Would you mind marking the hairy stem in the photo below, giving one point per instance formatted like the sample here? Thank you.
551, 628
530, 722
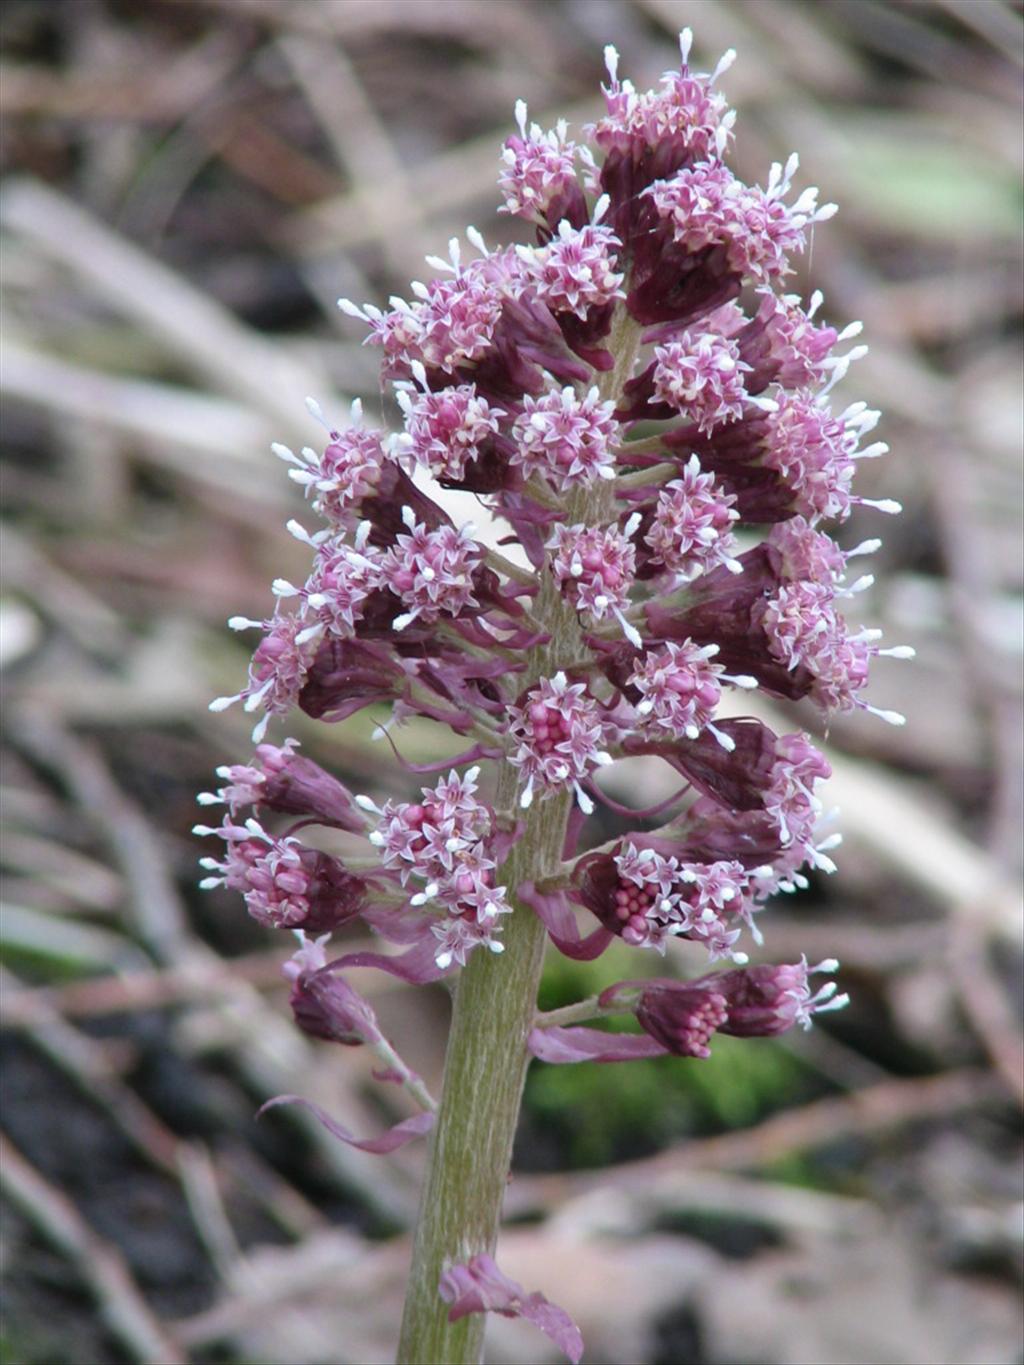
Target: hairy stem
494, 1006
580, 1013
485, 1068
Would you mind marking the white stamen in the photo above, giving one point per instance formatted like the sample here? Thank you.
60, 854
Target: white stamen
630, 631
839, 1003
724, 62
890, 717
866, 547
726, 741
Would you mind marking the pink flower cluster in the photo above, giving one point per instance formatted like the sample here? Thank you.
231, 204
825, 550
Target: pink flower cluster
509, 375
645, 420
443, 842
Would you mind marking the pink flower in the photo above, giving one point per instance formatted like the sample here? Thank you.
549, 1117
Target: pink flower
575, 271
594, 568
348, 471
447, 430
701, 376
707, 206
539, 170
565, 438
431, 571
451, 324
427, 838
560, 735
746, 1002
278, 669
685, 118
443, 843
286, 885
681, 1017
691, 529
681, 689
285, 781
342, 579
647, 898
782, 344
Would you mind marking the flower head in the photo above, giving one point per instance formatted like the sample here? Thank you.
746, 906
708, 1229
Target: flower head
565, 438
747, 1002
447, 430
692, 526
560, 735
594, 567
706, 206
348, 470
681, 687
575, 271
323, 1003
431, 571
278, 669
701, 375
685, 118
539, 169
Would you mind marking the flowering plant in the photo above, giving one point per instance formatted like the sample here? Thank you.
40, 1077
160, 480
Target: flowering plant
644, 418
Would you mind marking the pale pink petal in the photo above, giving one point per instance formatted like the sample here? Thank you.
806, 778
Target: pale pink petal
394, 1138
553, 908
480, 1287
417, 966
561, 1045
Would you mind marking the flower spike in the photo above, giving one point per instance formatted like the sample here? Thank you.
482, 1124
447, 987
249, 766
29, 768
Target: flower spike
642, 401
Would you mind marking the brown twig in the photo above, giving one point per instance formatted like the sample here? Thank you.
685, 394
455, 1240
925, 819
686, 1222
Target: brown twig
267, 1048
195, 327
101, 1266
105, 995
984, 1001
866, 1113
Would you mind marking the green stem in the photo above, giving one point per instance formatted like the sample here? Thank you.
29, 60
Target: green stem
580, 1013
494, 1006
655, 473
485, 1068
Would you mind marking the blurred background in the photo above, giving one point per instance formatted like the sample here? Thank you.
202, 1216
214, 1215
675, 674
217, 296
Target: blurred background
189, 186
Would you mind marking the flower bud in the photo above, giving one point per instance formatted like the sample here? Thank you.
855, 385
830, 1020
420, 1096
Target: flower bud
747, 1002
325, 1005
